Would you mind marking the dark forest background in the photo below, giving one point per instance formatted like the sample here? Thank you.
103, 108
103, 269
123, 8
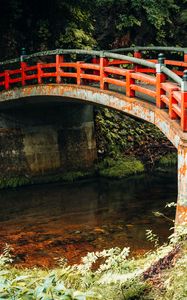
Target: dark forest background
100, 24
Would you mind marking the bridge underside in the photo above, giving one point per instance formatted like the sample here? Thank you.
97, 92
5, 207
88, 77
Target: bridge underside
132, 106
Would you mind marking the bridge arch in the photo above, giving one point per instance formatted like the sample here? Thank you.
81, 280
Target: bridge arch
132, 106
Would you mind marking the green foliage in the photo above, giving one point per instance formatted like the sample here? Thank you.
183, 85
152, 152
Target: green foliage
45, 25
108, 275
167, 163
79, 30
121, 167
175, 281
118, 134
135, 290
14, 181
114, 278
152, 237
73, 175
82, 24
75, 38
147, 22
168, 160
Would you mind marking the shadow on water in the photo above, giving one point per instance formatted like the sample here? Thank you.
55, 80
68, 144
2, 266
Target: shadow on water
49, 221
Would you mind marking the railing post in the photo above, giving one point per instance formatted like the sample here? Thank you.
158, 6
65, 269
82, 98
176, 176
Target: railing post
184, 102
185, 56
160, 77
172, 101
137, 54
95, 61
39, 72
7, 80
23, 75
129, 81
103, 75
23, 66
79, 72
59, 60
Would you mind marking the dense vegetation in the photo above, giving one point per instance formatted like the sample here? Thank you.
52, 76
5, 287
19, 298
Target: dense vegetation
102, 24
118, 135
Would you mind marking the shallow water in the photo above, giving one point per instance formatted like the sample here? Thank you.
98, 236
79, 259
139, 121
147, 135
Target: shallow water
45, 222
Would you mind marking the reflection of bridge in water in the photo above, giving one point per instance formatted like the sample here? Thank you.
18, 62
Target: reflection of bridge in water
154, 90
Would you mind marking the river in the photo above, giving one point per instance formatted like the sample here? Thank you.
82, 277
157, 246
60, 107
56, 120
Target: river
45, 222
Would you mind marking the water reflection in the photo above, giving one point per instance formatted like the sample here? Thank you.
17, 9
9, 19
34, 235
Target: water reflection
47, 221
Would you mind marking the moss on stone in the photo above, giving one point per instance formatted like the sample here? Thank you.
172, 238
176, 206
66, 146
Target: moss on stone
121, 167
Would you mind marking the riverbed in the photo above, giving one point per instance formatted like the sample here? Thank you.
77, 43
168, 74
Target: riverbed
45, 222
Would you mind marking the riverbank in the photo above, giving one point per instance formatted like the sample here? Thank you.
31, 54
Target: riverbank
108, 274
107, 167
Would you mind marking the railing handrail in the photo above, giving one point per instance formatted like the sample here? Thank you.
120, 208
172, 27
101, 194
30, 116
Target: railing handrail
171, 74
53, 52
152, 48
93, 52
135, 60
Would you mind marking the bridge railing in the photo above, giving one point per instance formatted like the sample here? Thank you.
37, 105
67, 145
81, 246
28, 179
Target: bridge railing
107, 70
174, 52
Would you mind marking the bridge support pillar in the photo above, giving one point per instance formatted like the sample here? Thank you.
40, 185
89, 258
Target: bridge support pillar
181, 212
44, 140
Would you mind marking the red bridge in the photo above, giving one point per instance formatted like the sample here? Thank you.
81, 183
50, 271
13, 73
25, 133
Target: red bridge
153, 89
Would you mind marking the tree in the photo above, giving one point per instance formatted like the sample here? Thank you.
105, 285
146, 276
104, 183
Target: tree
44, 25
102, 24
139, 22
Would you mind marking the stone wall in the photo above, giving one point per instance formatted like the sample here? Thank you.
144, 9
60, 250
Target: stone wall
46, 137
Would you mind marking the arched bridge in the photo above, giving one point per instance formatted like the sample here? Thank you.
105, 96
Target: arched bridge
153, 89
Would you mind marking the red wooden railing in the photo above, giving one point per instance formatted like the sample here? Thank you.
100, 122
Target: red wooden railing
107, 70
